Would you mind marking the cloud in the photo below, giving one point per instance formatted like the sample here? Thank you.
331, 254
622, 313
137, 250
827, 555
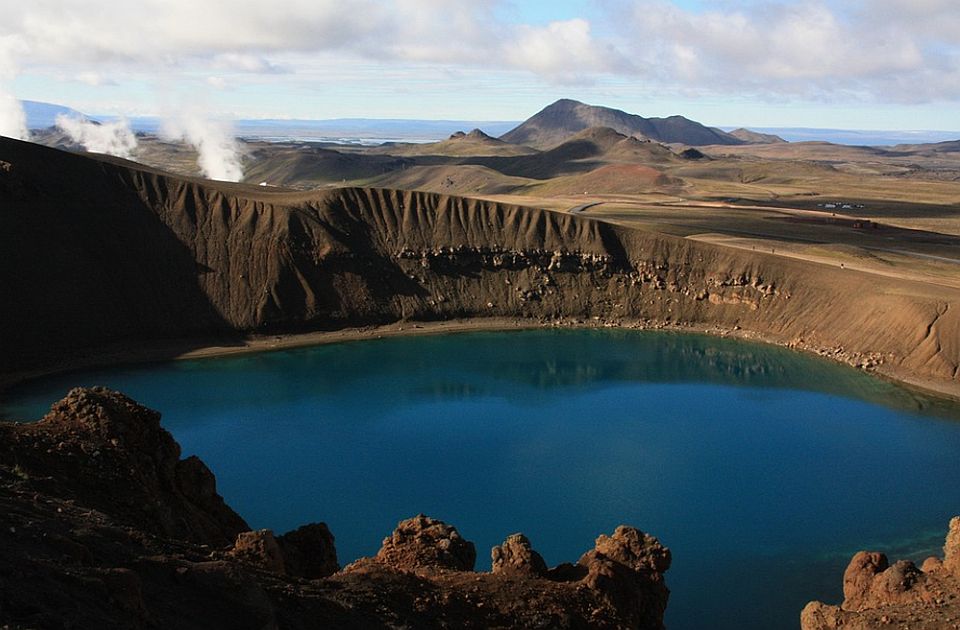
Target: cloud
114, 138
94, 79
239, 62
564, 51
895, 51
247, 36
885, 50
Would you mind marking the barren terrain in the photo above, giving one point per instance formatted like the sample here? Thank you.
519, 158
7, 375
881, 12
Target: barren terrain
847, 252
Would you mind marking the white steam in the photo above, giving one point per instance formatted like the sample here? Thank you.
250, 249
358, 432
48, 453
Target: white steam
13, 121
219, 154
113, 138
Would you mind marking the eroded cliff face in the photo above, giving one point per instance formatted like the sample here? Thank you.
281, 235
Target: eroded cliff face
102, 525
102, 252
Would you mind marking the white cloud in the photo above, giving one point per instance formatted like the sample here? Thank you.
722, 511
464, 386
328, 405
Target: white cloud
564, 51
244, 35
896, 51
239, 62
887, 50
94, 79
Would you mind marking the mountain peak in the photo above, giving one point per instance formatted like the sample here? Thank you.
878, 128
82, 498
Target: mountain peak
565, 118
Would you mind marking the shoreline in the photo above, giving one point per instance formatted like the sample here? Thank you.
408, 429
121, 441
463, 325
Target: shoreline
187, 349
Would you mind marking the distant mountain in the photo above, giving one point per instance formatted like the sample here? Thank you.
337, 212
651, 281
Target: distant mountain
755, 137
860, 137
560, 121
42, 115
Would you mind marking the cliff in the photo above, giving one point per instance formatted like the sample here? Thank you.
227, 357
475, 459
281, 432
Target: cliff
101, 253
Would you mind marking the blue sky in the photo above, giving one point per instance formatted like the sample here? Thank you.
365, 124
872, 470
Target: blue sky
865, 64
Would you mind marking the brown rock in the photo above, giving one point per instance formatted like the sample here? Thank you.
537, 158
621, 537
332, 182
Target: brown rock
951, 549
932, 565
631, 547
309, 551
425, 543
859, 576
903, 582
869, 582
260, 549
877, 594
818, 616
516, 557
627, 570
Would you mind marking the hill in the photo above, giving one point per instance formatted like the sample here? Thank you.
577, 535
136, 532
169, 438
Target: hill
473, 144
558, 122
620, 179
457, 179
307, 166
755, 137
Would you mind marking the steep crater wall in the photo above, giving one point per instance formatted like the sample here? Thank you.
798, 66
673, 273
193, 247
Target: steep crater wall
101, 252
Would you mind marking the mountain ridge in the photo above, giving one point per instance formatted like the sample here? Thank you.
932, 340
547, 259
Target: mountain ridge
564, 118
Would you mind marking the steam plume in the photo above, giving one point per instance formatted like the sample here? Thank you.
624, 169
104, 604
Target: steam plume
113, 138
219, 155
13, 122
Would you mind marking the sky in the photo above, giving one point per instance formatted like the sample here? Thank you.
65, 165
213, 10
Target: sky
853, 64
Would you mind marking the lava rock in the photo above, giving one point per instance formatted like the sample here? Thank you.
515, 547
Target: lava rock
516, 557
425, 543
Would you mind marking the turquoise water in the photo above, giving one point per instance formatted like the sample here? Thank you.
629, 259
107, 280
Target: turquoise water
762, 469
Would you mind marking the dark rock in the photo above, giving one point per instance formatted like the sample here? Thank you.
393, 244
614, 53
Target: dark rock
103, 526
260, 549
309, 551
117, 458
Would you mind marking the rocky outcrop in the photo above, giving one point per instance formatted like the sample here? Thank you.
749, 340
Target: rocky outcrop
109, 453
309, 552
424, 543
877, 594
628, 569
103, 526
260, 549
516, 557
951, 549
